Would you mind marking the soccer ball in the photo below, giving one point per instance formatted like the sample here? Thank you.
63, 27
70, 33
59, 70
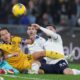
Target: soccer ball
18, 9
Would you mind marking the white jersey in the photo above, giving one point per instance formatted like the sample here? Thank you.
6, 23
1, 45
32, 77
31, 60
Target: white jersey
54, 43
37, 45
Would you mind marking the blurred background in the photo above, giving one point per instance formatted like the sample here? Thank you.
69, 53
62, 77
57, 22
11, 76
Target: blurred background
65, 14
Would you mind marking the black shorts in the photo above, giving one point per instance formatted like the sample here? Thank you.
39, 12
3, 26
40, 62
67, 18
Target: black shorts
57, 68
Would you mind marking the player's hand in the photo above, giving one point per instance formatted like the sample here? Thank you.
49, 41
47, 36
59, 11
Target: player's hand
36, 26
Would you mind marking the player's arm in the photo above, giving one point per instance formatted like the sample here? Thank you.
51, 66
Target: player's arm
22, 41
46, 31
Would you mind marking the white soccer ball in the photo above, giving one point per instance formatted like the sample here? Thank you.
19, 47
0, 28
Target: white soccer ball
1, 78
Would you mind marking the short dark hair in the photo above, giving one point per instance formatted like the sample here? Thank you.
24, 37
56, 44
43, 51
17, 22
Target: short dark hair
4, 28
52, 26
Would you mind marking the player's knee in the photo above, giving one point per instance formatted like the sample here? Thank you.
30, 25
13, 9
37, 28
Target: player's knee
43, 53
38, 55
41, 71
67, 71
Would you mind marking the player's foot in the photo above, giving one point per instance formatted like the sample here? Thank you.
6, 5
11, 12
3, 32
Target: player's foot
70, 57
3, 71
10, 71
32, 72
41, 71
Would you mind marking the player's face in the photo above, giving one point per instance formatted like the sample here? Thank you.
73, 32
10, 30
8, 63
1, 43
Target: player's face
31, 31
5, 35
51, 28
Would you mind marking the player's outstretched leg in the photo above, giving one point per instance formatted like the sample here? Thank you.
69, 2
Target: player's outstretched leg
50, 54
69, 71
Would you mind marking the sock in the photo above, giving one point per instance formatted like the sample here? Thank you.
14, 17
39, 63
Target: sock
70, 59
35, 68
76, 71
54, 55
66, 57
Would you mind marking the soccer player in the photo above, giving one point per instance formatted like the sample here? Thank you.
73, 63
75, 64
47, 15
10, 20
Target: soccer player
38, 41
11, 45
37, 45
55, 44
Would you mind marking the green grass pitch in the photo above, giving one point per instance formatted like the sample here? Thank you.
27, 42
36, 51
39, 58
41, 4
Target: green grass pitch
43, 76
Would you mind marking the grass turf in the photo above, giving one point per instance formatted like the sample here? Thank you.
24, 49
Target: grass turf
44, 76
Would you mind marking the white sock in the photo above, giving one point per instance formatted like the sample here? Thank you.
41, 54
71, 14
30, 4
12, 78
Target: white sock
66, 57
76, 71
35, 68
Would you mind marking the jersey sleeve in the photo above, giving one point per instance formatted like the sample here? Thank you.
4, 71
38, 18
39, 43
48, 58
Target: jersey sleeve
17, 39
49, 33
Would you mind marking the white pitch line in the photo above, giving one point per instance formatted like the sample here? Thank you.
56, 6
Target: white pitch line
13, 76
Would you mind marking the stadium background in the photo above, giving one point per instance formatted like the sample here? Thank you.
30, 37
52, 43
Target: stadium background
64, 14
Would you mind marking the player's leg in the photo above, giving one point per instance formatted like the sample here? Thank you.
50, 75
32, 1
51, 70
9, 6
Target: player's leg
54, 55
57, 68
34, 64
50, 54
34, 67
48, 69
9, 68
63, 68
69, 71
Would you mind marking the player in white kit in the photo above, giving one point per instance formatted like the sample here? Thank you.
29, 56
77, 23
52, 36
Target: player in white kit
55, 44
